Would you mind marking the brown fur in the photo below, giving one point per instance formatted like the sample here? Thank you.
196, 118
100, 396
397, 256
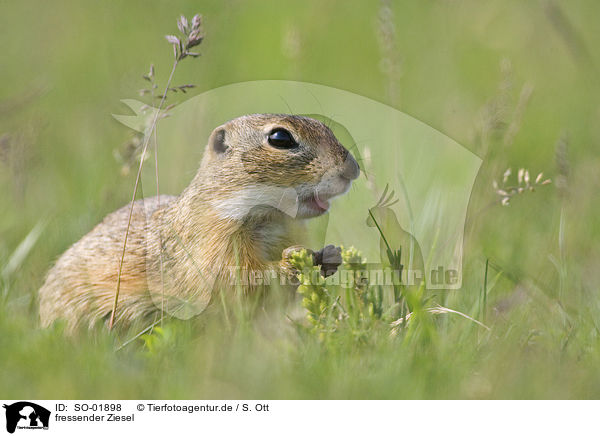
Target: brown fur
194, 242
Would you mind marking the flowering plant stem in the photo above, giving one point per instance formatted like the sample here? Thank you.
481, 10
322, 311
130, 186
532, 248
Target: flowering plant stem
147, 137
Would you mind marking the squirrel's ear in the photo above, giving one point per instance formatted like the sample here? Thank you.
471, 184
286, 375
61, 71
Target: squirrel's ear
217, 141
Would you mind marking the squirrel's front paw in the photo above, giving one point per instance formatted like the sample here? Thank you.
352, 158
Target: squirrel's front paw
329, 257
286, 265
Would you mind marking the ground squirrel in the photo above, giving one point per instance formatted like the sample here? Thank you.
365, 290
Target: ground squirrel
259, 174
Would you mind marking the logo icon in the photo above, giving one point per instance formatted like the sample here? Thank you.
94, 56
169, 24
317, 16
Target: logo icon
26, 415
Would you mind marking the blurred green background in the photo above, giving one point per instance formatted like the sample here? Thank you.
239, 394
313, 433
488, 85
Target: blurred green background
515, 82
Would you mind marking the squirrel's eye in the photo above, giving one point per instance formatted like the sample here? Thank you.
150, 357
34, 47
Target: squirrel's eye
281, 138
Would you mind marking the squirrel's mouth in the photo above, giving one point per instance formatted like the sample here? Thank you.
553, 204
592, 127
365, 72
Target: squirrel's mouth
319, 203
313, 205
315, 200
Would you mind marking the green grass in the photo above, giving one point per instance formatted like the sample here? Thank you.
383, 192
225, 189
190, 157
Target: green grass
461, 68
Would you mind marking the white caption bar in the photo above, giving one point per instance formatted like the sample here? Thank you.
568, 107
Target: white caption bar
157, 417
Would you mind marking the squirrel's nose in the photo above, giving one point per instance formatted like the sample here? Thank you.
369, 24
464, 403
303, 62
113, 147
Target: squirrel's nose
350, 170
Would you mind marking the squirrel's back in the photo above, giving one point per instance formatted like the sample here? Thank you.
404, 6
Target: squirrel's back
81, 286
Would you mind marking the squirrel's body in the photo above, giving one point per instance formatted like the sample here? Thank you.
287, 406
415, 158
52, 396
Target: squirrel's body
259, 173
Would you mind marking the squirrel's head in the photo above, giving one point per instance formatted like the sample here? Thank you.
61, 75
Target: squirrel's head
263, 163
